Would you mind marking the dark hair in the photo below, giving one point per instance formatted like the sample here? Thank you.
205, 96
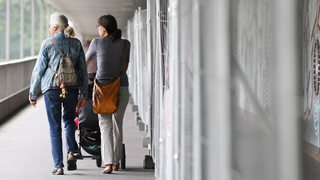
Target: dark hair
110, 24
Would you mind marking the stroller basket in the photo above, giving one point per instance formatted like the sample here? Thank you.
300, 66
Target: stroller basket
90, 141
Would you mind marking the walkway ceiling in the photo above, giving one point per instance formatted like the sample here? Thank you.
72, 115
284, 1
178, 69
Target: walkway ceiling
84, 13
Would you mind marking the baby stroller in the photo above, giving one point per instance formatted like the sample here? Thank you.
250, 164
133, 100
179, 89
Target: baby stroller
89, 131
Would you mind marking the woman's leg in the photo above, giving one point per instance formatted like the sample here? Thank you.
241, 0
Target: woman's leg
105, 124
118, 122
69, 114
53, 107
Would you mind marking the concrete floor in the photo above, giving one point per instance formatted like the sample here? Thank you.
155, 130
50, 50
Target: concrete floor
25, 150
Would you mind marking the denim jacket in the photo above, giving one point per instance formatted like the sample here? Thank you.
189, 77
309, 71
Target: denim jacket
48, 59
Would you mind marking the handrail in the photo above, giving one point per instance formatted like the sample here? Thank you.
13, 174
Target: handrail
14, 85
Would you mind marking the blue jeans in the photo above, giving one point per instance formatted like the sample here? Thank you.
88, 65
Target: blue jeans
54, 104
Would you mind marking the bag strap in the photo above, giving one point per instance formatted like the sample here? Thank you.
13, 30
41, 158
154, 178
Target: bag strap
57, 47
123, 56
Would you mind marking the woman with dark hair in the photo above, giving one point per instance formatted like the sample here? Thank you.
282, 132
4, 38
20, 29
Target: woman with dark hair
109, 50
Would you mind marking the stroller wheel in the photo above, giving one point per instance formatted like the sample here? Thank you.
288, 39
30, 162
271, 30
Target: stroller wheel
98, 161
123, 157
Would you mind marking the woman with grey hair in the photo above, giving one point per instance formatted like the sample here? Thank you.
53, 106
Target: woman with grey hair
42, 79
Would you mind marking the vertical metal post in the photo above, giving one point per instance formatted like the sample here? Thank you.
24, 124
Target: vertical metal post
7, 30
197, 145
288, 74
174, 160
215, 98
32, 27
149, 58
158, 98
21, 28
41, 21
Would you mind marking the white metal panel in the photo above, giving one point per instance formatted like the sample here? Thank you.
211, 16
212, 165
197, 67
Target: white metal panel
253, 130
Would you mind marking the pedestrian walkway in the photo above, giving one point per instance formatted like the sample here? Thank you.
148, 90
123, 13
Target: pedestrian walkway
25, 150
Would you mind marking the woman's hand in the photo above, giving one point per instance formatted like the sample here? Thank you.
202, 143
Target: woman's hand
33, 102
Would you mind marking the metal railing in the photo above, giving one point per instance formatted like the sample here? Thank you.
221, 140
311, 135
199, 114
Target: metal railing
15, 81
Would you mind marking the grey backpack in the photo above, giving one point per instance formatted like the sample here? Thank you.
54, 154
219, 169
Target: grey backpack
66, 72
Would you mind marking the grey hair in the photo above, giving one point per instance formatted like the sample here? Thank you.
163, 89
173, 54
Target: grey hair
60, 20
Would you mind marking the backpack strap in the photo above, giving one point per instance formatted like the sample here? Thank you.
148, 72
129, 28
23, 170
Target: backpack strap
55, 44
